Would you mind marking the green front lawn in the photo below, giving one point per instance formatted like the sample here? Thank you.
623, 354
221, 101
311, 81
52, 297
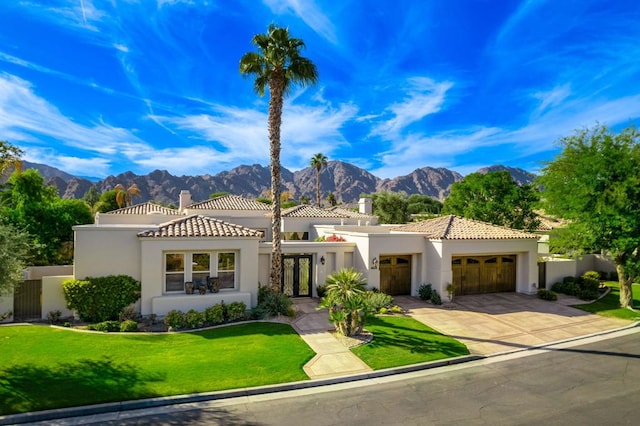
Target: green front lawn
401, 341
43, 368
609, 306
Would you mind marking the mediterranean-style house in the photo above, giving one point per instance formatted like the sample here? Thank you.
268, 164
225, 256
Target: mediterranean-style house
228, 238
227, 241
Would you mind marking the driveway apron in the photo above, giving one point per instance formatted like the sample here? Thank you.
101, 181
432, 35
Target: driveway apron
500, 322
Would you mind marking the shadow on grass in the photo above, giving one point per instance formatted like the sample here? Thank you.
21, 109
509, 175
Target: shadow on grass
413, 340
25, 388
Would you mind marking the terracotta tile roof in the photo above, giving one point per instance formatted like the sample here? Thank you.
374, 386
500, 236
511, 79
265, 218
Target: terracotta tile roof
305, 210
200, 226
349, 213
145, 208
458, 228
230, 202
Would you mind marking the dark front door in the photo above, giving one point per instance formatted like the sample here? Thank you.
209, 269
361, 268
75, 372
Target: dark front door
296, 275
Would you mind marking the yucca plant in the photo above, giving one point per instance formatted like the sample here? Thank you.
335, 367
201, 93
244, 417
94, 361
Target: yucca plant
345, 299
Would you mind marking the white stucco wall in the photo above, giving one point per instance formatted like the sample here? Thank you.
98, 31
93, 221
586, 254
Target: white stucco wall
152, 268
107, 250
53, 296
6, 304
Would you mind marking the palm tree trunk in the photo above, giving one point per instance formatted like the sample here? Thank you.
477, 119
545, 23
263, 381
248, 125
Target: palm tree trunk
276, 89
625, 287
318, 186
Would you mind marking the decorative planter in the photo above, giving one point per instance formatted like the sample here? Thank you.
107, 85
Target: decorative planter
214, 284
188, 286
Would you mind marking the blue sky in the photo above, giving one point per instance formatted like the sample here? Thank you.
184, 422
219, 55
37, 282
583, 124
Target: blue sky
98, 87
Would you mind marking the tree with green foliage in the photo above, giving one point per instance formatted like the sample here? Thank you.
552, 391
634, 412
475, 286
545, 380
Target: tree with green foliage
35, 208
92, 197
304, 199
496, 198
14, 250
318, 161
9, 157
277, 66
595, 185
107, 202
218, 194
331, 199
390, 207
423, 204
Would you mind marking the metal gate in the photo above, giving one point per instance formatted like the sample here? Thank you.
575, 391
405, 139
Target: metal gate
27, 301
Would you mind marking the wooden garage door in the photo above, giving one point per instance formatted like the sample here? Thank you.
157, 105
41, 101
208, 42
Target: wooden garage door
395, 275
484, 274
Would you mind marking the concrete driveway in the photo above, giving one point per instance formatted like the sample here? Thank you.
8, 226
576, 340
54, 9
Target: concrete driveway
499, 322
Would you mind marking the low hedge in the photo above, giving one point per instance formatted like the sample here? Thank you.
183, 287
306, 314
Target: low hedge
99, 299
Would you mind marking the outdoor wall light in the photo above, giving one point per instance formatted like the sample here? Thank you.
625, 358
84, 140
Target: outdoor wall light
374, 263
322, 260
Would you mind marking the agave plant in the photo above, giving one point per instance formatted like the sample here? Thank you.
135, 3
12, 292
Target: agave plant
345, 299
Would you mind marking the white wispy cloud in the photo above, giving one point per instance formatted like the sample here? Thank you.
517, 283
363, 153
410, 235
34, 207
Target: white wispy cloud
423, 96
240, 135
309, 12
28, 117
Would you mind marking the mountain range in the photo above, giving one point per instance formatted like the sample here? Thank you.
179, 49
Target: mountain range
346, 181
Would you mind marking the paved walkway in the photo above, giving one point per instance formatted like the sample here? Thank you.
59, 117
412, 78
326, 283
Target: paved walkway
487, 324
332, 357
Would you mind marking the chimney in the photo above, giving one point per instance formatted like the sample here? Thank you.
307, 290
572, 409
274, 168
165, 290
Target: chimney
365, 206
185, 199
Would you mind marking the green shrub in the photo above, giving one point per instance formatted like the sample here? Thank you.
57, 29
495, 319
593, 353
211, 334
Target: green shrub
545, 294
397, 309
558, 287
272, 304
214, 314
236, 311
128, 313
590, 285
263, 292
174, 320
435, 298
54, 317
321, 290
128, 326
106, 326
425, 291
613, 276
604, 275
98, 299
567, 280
376, 300
194, 319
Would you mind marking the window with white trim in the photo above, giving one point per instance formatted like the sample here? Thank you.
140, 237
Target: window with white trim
196, 267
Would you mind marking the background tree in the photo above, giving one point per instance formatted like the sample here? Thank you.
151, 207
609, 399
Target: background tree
33, 207
496, 198
107, 202
331, 199
317, 162
277, 65
124, 197
9, 157
423, 204
595, 185
14, 249
304, 199
92, 197
218, 194
390, 207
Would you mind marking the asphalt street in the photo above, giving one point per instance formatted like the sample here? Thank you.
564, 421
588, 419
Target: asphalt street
596, 383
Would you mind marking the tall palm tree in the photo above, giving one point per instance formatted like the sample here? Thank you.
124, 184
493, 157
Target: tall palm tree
317, 161
124, 197
277, 65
